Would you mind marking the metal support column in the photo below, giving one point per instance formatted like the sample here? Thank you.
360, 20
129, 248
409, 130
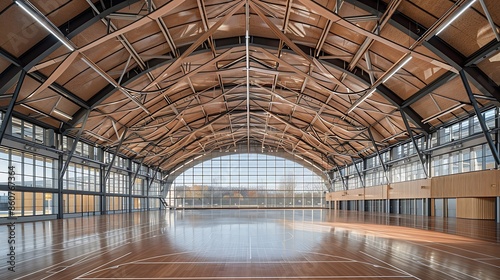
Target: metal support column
330, 180
130, 184
410, 133
124, 134
8, 114
486, 133
103, 190
379, 156
359, 173
137, 171
152, 179
73, 147
342, 178
60, 200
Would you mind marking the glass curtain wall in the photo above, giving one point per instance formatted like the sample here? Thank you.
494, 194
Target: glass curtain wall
247, 180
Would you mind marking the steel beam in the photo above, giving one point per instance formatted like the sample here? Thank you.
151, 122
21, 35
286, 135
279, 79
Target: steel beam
7, 119
480, 117
342, 178
9, 57
448, 76
378, 155
73, 147
153, 178
9, 77
359, 173
124, 135
60, 90
490, 20
483, 53
415, 145
384, 91
137, 171
60, 187
440, 48
69, 29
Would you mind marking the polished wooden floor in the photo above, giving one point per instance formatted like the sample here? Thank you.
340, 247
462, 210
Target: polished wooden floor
254, 244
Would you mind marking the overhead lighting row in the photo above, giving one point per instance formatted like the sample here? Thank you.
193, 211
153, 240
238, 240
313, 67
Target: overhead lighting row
385, 77
459, 13
405, 60
61, 113
33, 12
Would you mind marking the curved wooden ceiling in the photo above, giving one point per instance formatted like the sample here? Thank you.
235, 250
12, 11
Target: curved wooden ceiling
166, 81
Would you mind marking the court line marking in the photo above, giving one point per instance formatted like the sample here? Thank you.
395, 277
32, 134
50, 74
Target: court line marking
409, 257
236, 262
487, 259
250, 277
65, 227
86, 256
55, 251
441, 250
390, 265
96, 268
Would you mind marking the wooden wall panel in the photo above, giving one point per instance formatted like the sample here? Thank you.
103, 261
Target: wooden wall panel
376, 192
410, 189
356, 194
472, 184
476, 208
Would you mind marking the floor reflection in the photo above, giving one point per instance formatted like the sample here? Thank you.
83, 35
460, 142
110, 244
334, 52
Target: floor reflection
247, 235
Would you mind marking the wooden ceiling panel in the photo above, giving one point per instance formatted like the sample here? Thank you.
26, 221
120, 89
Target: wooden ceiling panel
197, 94
23, 31
90, 34
490, 67
471, 27
59, 12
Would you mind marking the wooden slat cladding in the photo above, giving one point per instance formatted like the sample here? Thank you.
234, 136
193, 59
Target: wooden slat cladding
476, 208
472, 184
376, 192
410, 189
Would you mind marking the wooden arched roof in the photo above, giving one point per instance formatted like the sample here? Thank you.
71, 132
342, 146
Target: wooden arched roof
165, 81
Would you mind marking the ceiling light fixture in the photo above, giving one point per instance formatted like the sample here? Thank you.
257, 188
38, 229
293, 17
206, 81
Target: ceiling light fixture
36, 15
60, 113
444, 112
360, 100
386, 76
460, 12
124, 16
396, 68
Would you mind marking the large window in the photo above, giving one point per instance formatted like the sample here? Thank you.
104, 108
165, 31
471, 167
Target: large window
465, 160
247, 180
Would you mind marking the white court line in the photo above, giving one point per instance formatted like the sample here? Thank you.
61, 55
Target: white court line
261, 262
441, 250
441, 243
96, 269
398, 269
250, 277
54, 251
410, 258
487, 259
446, 267
81, 230
55, 265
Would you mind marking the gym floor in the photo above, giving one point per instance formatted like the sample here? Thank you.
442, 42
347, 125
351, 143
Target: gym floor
254, 244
